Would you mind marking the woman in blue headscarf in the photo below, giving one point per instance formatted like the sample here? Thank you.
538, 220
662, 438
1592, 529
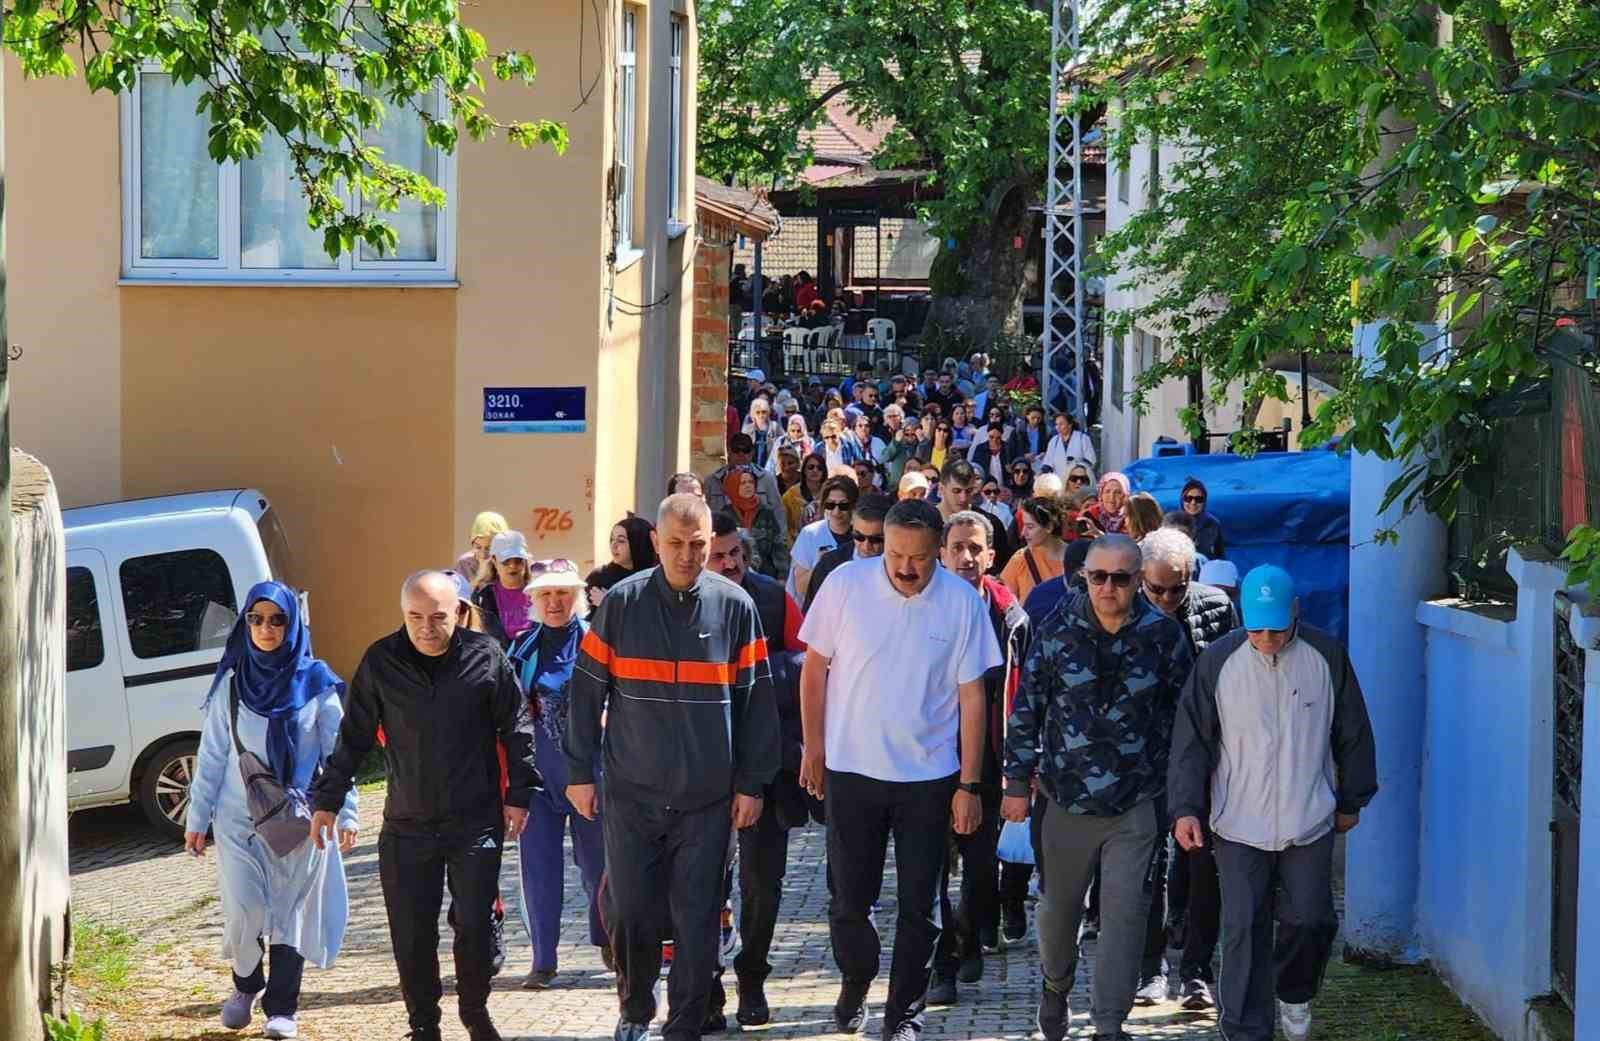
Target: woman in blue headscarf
544, 657
279, 911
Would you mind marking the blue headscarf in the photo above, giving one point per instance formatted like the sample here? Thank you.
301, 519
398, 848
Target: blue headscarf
275, 684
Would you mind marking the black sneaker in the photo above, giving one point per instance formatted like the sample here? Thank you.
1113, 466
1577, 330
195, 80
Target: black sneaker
909, 1030
850, 1011
716, 1022
942, 991
479, 1026
1055, 1014
1197, 995
753, 1009
971, 970
1014, 921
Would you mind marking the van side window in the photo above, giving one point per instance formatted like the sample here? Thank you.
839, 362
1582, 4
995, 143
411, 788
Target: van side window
86, 646
177, 602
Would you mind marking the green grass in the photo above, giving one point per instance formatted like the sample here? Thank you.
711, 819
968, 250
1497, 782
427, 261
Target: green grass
1408, 1003
102, 957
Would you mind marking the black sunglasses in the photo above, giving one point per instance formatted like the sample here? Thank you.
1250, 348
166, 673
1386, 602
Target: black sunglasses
1120, 579
1162, 592
1194, 498
876, 540
276, 621
837, 505
1077, 479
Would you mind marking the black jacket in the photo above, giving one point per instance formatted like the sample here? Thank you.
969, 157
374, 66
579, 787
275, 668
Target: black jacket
439, 733
1208, 616
684, 683
484, 600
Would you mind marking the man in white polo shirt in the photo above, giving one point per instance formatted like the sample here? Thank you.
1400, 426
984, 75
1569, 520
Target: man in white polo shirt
893, 713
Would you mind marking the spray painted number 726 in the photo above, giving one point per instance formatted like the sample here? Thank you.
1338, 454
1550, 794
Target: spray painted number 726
550, 519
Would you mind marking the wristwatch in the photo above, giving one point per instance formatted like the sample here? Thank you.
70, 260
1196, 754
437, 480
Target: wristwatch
970, 787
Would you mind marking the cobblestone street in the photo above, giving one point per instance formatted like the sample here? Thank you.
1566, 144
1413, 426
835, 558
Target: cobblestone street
125, 875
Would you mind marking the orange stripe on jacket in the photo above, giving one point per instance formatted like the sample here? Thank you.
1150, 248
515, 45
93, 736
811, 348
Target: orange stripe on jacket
641, 669
754, 651
714, 673
596, 648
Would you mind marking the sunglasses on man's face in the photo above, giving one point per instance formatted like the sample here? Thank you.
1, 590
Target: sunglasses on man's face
276, 621
860, 537
837, 506
1120, 579
1165, 592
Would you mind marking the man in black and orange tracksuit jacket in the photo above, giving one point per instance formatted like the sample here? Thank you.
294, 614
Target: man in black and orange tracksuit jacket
676, 660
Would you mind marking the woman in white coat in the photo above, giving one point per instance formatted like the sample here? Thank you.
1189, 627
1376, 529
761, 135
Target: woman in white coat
1069, 445
273, 698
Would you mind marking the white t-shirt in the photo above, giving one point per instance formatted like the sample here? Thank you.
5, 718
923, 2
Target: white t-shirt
893, 709
814, 540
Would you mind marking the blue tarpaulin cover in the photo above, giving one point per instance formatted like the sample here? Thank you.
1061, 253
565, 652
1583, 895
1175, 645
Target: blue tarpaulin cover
1291, 509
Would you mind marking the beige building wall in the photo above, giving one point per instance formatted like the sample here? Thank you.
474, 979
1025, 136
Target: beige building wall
63, 220
358, 409
336, 403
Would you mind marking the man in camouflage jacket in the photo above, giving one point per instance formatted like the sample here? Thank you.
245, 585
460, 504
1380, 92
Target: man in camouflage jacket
1092, 725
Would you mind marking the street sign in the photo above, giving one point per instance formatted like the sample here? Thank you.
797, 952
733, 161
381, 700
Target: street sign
534, 410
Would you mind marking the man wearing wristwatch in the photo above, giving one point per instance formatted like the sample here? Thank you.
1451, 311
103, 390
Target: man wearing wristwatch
894, 730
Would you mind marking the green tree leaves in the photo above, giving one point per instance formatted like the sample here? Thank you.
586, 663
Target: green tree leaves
321, 74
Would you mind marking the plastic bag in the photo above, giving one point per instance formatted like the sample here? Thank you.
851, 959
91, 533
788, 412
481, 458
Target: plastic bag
1016, 842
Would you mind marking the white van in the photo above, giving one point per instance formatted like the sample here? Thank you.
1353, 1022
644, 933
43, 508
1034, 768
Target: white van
153, 588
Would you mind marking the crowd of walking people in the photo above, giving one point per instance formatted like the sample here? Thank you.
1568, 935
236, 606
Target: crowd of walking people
1050, 697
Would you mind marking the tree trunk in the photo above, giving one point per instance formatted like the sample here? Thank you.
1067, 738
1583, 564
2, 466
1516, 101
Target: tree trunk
19, 1013
978, 287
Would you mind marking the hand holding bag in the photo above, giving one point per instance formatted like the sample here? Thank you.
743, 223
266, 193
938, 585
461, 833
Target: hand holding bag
280, 815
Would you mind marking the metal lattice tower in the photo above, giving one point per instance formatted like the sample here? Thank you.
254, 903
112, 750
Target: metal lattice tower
1064, 308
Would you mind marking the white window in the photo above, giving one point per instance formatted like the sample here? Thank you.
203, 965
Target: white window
186, 217
675, 124
627, 129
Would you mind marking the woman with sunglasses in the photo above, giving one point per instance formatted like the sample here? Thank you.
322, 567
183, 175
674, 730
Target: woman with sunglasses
1042, 550
801, 499
543, 658
271, 697
838, 501
485, 526
796, 435
1019, 480
1079, 478
1207, 529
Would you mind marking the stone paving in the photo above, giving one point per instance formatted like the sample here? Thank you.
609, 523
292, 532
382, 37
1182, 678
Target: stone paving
124, 874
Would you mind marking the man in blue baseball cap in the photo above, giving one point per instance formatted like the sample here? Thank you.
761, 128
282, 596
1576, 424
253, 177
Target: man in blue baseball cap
1272, 749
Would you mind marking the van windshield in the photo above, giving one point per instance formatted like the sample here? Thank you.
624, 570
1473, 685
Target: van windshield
276, 543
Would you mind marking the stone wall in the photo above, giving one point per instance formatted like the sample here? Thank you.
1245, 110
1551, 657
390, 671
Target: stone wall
40, 545
708, 418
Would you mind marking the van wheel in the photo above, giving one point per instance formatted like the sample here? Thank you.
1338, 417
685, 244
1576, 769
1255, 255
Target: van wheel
164, 788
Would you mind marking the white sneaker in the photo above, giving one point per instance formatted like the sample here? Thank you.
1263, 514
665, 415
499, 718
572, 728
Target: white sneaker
236, 1010
282, 1027
1296, 1020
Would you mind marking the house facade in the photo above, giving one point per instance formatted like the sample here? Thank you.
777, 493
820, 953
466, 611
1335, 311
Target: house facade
526, 349
1128, 433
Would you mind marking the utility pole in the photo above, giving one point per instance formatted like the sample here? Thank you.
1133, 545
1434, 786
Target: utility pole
19, 1012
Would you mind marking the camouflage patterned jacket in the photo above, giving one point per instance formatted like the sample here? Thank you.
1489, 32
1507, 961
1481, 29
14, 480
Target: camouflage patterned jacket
1093, 718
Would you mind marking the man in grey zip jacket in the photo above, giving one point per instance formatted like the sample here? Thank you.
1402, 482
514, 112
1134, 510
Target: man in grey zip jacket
1272, 736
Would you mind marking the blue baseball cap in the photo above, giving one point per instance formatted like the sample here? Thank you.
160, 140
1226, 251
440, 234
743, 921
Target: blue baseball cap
1267, 597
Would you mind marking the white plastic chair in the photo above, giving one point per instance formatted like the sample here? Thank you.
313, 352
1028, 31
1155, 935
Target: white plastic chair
882, 332
794, 350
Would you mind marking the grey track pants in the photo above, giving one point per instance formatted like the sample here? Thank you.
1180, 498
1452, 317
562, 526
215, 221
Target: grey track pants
1072, 845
